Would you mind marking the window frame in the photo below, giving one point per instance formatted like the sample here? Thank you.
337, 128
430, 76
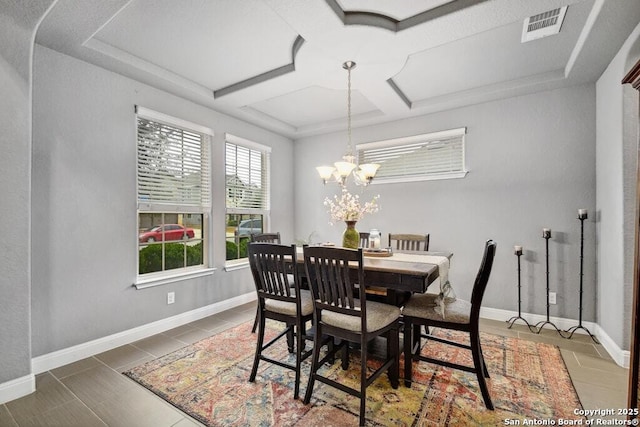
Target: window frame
165, 276
265, 210
427, 138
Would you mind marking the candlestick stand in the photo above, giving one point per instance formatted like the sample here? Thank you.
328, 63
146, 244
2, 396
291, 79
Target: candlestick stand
511, 321
570, 331
547, 235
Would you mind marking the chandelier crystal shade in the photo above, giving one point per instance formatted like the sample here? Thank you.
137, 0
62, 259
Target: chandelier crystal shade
363, 174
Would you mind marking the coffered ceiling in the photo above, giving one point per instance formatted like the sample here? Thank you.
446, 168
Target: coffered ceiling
278, 63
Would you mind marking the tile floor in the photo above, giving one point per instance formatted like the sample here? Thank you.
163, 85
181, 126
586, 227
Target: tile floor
92, 392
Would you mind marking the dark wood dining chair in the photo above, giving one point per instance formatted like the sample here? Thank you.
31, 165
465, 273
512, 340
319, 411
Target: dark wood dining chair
409, 242
459, 315
263, 238
270, 267
364, 239
341, 310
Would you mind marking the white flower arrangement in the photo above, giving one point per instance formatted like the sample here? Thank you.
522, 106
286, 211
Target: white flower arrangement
349, 208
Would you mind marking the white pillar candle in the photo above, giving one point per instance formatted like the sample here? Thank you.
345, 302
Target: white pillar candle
582, 214
517, 250
546, 232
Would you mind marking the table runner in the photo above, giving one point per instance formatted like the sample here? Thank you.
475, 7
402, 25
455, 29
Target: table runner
446, 294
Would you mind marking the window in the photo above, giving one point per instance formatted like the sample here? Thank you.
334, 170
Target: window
173, 194
438, 155
247, 193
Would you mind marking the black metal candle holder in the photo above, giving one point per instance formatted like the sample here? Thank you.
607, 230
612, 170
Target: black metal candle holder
546, 235
582, 215
518, 253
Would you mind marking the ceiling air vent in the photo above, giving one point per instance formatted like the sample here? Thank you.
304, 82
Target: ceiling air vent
543, 24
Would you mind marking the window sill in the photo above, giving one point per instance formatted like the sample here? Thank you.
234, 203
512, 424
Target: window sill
238, 265
150, 282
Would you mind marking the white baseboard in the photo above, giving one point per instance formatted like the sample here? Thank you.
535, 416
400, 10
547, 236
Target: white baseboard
19, 387
620, 356
68, 355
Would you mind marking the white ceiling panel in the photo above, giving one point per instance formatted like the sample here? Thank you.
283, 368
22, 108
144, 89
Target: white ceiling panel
213, 43
313, 105
495, 56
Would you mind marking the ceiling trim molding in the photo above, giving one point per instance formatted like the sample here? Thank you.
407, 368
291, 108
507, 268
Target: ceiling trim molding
584, 34
271, 74
145, 66
380, 20
485, 92
399, 92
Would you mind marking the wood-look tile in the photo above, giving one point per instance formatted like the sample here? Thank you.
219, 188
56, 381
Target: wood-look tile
595, 397
49, 394
179, 330
74, 368
98, 384
193, 336
137, 407
5, 417
188, 422
210, 323
125, 368
158, 345
236, 318
499, 331
71, 414
613, 380
562, 343
121, 356
600, 363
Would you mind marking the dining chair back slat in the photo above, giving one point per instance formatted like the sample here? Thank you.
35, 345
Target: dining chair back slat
265, 237
364, 239
328, 273
409, 242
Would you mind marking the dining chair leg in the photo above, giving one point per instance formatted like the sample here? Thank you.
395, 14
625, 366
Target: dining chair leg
290, 340
255, 321
477, 362
393, 350
299, 340
317, 340
363, 380
408, 351
260, 341
484, 364
345, 355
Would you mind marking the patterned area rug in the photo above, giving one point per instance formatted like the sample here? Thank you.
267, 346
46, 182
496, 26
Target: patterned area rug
209, 381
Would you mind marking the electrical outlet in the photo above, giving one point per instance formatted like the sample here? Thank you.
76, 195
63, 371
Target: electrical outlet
171, 297
552, 297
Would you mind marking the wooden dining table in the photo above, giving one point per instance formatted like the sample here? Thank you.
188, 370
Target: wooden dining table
402, 273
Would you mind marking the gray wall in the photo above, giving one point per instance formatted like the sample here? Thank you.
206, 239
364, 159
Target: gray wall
532, 165
84, 209
17, 27
617, 153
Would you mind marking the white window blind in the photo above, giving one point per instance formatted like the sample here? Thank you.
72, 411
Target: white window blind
438, 155
247, 175
173, 166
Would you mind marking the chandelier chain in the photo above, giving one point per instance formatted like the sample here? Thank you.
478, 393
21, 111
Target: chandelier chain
349, 110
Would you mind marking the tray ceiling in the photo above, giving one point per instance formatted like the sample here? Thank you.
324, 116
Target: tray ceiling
278, 63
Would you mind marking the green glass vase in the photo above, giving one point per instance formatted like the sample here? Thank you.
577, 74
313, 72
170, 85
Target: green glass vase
351, 237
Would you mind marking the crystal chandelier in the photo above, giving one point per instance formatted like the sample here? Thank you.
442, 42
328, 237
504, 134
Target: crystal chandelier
363, 174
